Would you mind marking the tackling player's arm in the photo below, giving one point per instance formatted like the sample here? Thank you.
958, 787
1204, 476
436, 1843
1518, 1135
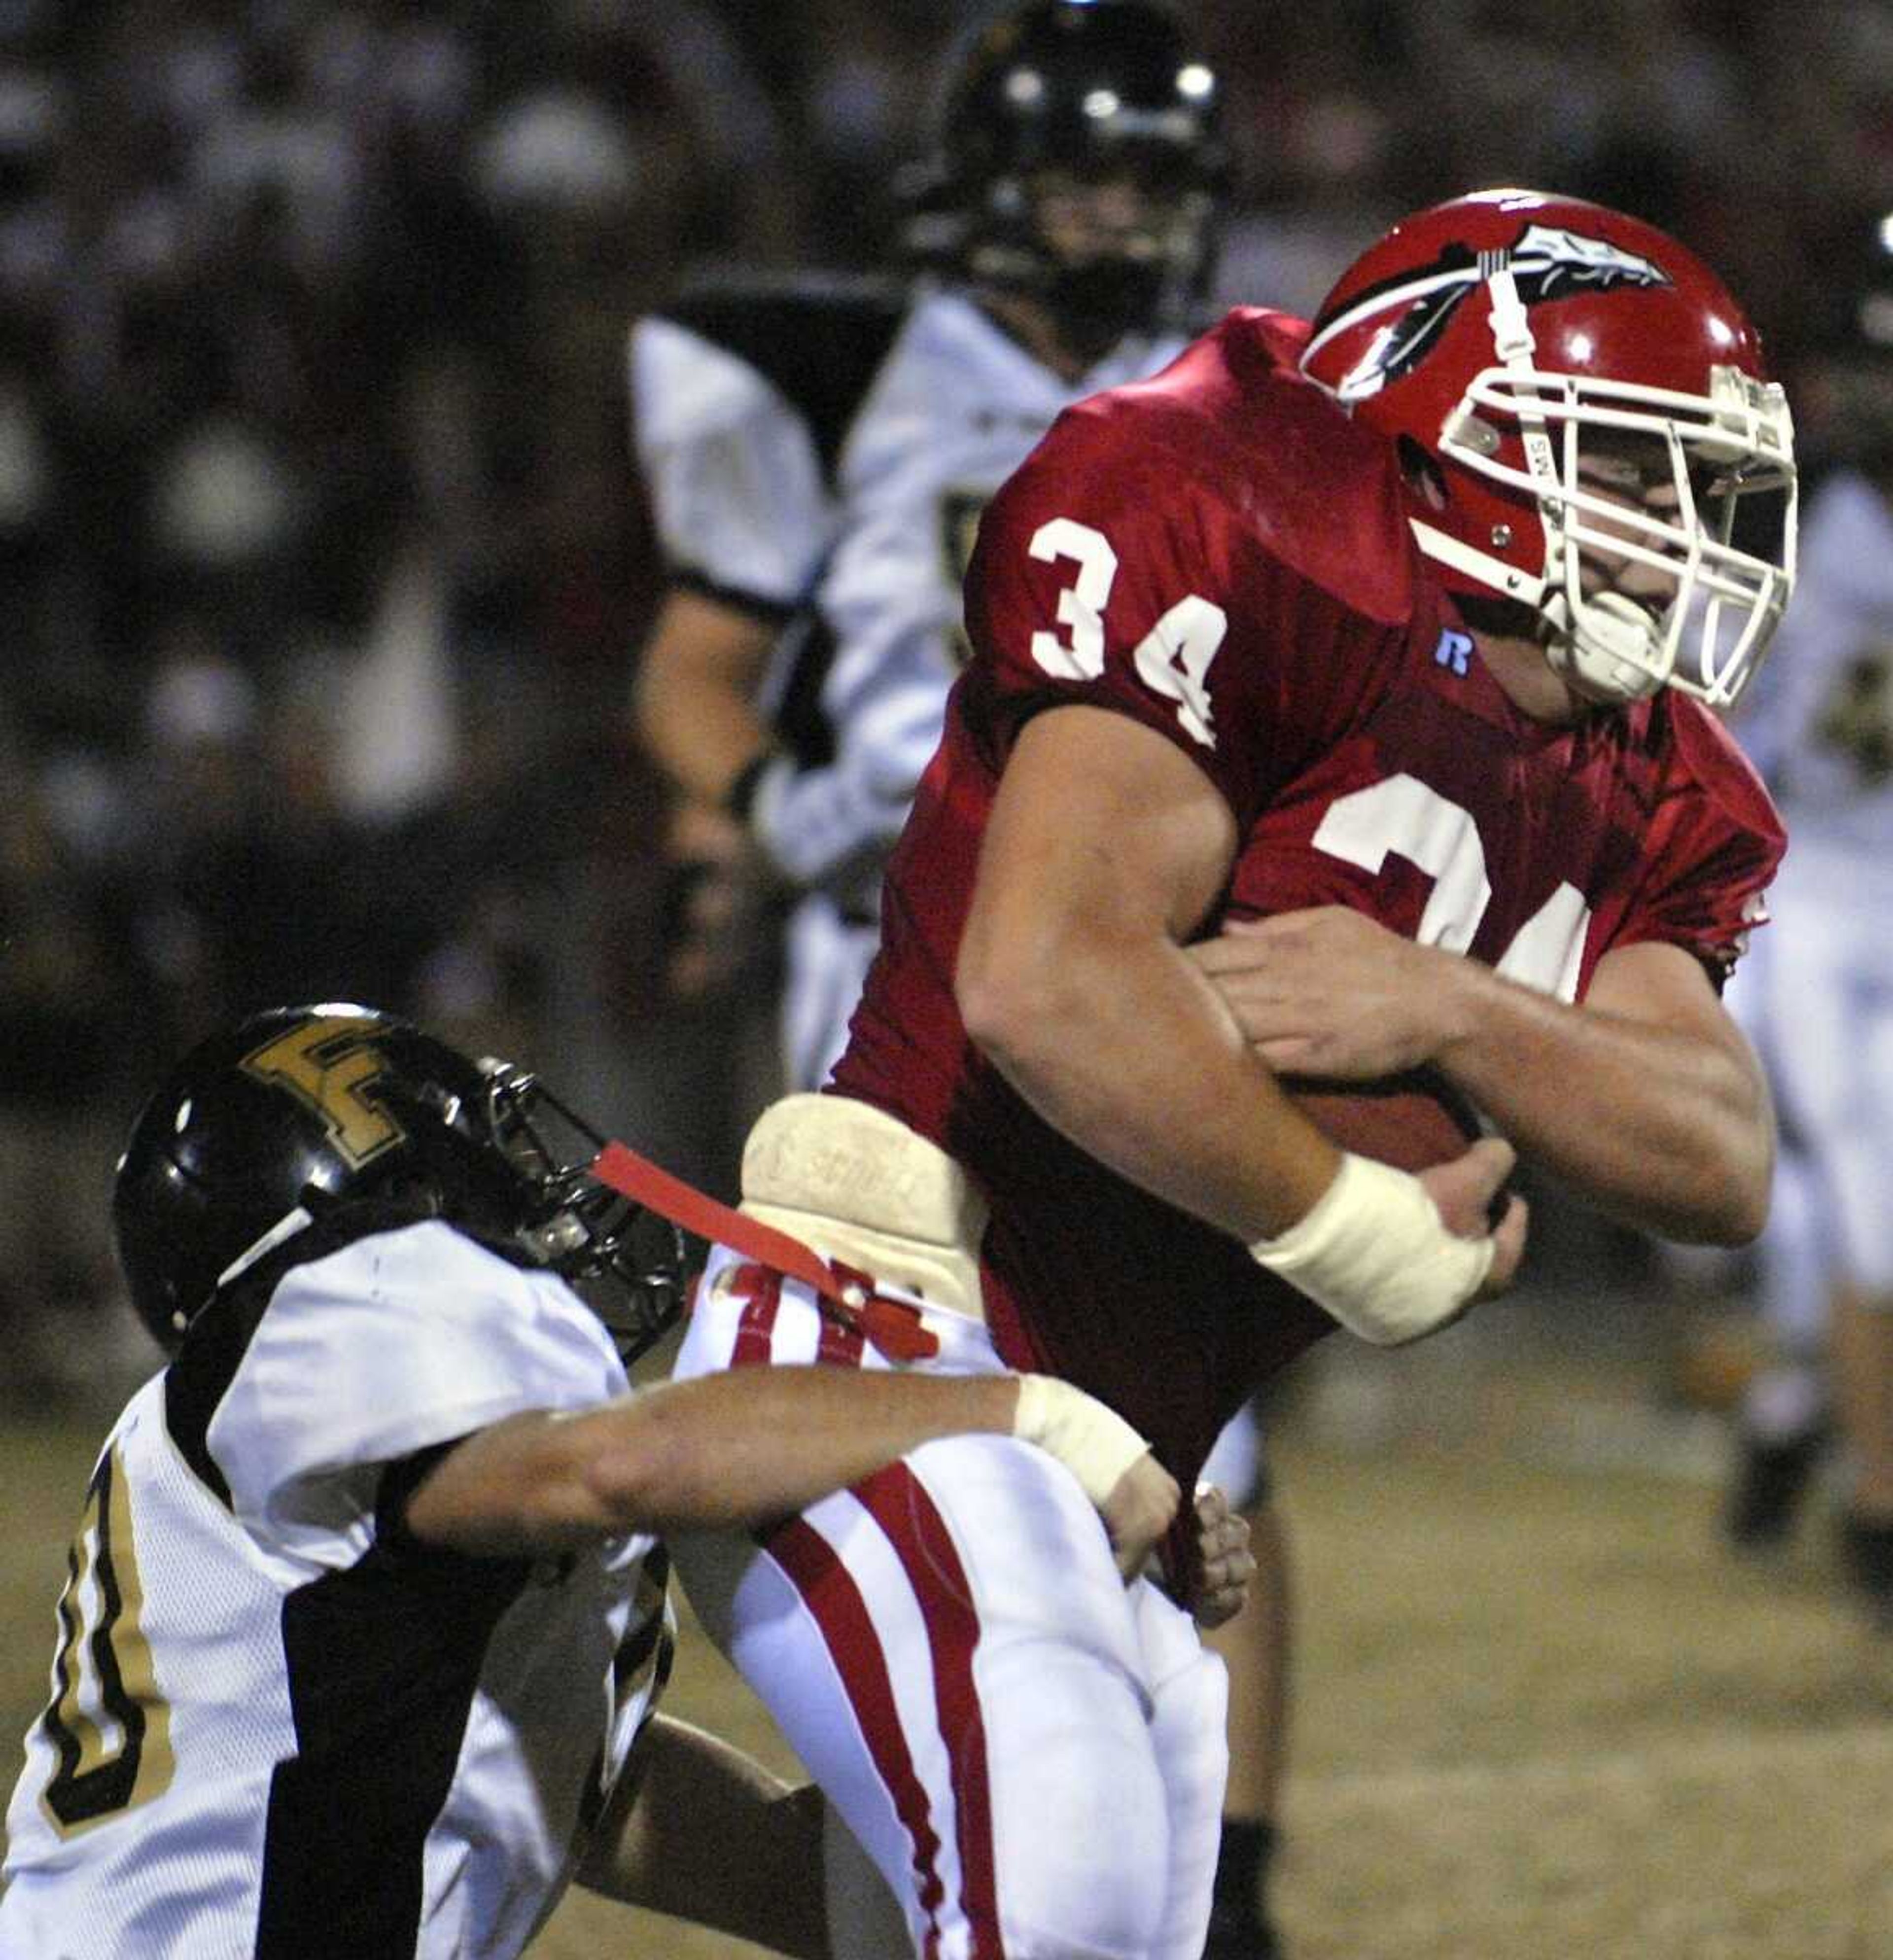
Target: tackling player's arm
665, 1841
1647, 1098
1105, 848
735, 1451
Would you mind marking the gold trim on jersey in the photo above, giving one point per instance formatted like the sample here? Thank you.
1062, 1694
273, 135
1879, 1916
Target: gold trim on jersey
101, 1611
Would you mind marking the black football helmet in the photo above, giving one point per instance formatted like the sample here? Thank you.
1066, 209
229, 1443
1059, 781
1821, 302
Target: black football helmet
321, 1113
1072, 93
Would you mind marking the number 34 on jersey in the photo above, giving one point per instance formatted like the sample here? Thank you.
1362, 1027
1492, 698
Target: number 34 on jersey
1401, 817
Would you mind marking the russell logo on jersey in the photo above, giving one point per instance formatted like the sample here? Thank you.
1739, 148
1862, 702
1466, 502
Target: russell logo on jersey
1454, 652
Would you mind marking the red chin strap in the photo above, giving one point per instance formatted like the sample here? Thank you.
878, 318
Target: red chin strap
892, 1326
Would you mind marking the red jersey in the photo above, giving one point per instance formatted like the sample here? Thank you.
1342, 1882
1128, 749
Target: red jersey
1219, 553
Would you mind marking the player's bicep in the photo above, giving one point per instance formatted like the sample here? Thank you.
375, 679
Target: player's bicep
504, 1492
1101, 831
711, 641
1667, 987
695, 697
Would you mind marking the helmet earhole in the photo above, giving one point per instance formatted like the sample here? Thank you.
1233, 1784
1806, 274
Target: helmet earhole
1423, 474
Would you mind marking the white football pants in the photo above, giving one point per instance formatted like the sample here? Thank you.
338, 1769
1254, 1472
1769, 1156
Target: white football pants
1031, 1753
1816, 995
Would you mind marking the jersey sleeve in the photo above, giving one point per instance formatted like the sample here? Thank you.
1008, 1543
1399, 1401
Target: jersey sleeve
1106, 574
398, 1342
1714, 845
831, 826
732, 470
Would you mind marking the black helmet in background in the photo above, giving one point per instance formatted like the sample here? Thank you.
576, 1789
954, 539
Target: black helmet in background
1047, 105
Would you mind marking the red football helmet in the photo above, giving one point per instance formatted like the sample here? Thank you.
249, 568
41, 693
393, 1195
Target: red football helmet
1587, 396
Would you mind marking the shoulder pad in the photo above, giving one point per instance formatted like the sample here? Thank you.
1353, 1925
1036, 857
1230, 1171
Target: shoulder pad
819, 341
1716, 761
1235, 421
214, 1344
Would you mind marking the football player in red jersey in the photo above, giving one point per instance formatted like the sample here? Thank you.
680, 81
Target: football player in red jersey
1400, 635
816, 452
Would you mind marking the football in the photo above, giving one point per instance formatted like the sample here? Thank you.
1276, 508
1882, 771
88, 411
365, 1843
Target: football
1412, 1121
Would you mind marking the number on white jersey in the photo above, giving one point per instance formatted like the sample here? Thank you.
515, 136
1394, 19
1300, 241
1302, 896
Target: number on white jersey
106, 1719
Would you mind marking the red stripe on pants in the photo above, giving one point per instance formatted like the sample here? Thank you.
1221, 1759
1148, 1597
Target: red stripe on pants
834, 1602
899, 1504
910, 1521
839, 1344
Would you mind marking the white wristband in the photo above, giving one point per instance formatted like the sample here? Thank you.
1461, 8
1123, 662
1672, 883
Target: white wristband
1376, 1254
1095, 1443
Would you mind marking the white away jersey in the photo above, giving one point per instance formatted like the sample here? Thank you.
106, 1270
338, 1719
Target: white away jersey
1820, 724
819, 452
280, 1726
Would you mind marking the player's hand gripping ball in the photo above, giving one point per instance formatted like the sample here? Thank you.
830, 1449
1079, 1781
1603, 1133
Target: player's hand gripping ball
1227, 1565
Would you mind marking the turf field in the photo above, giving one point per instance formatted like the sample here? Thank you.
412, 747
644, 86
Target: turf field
1542, 1715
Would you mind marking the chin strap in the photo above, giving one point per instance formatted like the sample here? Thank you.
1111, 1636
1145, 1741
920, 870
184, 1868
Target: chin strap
1610, 644
1513, 342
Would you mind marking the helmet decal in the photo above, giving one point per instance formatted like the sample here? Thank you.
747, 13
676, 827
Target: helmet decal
1546, 263
330, 1064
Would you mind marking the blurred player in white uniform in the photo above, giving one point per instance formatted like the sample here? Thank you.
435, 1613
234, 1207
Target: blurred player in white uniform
1820, 999
818, 454
818, 451
365, 1620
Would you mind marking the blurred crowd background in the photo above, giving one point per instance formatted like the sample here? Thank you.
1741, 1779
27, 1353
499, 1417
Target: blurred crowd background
322, 562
